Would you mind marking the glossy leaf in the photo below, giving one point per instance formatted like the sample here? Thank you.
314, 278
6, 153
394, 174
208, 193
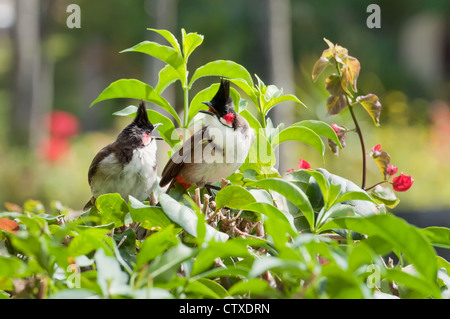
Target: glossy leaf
190, 42
233, 196
320, 128
225, 68
135, 89
112, 209
150, 217
166, 77
302, 134
155, 244
187, 219
385, 195
169, 37
164, 53
232, 248
284, 98
291, 192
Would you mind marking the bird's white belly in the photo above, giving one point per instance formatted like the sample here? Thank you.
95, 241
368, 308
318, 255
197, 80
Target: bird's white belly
214, 163
135, 178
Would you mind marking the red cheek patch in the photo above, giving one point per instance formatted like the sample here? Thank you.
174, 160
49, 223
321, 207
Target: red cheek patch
146, 138
229, 117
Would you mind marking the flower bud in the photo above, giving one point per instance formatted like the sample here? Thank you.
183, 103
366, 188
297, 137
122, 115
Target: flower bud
391, 170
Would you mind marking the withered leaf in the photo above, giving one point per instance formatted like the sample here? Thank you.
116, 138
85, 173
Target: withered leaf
336, 103
372, 105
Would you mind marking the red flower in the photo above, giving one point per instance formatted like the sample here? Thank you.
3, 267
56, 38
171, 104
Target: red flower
54, 148
402, 182
62, 124
391, 170
302, 164
290, 170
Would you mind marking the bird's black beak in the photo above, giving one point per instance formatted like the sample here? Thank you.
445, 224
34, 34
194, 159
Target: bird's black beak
211, 111
154, 128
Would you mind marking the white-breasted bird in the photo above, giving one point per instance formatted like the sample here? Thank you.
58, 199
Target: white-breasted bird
128, 165
216, 150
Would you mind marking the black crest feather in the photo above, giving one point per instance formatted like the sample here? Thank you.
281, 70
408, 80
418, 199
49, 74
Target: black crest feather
141, 119
222, 96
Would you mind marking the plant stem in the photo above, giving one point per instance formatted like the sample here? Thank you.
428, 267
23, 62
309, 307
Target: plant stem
361, 139
373, 186
186, 106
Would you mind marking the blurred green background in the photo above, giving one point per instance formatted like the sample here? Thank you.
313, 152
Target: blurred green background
46, 66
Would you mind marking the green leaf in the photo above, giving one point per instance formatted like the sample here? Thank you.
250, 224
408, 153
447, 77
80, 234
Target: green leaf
263, 264
362, 207
155, 244
437, 236
247, 88
135, 89
187, 219
261, 153
112, 209
320, 128
285, 98
166, 77
12, 267
169, 37
272, 213
150, 217
190, 42
233, 196
166, 265
110, 277
397, 232
424, 287
162, 52
225, 68
291, 192
385, 195
231, 248
254, 287
88, 239
207, 288
252, 121
302, 134
372, 105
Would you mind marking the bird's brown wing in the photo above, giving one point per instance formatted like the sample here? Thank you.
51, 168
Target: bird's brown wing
97, 159
176, 162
